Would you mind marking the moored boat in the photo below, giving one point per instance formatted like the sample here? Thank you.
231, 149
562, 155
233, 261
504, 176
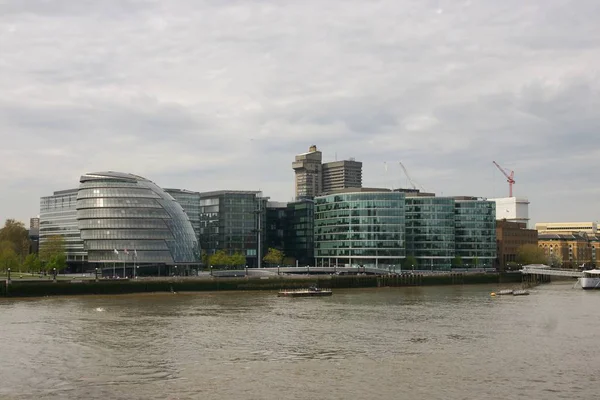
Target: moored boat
310, 292
590, 279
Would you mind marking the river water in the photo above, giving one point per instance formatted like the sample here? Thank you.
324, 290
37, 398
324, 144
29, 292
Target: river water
390, 343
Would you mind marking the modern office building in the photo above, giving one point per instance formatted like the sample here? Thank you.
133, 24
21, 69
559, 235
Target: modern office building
308, 177
276, 225
343, 174
512, 209
589, 227
430, 231
190, 202
58, 217
313, 178
360, 228
234, 221
128, 220
300, 234
510, 236
475, 232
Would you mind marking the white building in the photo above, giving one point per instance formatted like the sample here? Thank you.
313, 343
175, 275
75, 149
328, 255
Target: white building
513, 209
590, 227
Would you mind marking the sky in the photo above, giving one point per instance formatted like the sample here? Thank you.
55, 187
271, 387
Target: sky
222, 94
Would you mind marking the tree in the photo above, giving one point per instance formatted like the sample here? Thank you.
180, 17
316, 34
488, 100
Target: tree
531, 254
219, 259
15, 233
8, 256
204, 258
274, 256
554, 260
32, 263
237, 259
53, 253
410, 262
457, 262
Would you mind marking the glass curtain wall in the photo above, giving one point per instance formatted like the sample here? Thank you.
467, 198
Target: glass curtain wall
361, 229
475, 233
430, 232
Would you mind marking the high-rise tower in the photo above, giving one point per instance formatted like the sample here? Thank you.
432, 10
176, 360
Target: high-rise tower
308, 167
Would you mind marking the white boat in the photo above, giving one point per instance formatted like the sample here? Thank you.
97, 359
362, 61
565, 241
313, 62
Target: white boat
590, 279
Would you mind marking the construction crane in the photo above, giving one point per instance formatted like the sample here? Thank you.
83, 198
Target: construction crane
408, 176
510, 178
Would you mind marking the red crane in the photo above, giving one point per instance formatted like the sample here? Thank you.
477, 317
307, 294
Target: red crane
510, 177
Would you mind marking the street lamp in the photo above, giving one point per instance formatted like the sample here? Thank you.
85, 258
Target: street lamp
137, 268
9, 274
96, 274
54, 273
211, 270
176, 270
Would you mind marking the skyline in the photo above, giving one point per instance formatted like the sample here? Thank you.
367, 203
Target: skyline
222, 95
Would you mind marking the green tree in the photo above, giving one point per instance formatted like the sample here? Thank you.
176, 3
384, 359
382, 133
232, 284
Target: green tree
457, 262
531, 254
274, 256
8, 256
15, 233
219, 259
237, 259
53, 253
410, 262
204, 258
554, 260
32, 263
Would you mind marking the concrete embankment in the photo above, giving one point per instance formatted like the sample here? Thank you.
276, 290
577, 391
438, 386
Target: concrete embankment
189, 284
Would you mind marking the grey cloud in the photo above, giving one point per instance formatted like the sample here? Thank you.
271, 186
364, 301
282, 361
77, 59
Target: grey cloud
218, 94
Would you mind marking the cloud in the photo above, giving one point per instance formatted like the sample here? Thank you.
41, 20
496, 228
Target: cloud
222, 94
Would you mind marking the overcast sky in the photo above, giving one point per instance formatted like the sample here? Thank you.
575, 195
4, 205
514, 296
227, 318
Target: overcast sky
221, 94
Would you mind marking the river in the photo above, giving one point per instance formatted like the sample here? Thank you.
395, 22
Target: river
453, 342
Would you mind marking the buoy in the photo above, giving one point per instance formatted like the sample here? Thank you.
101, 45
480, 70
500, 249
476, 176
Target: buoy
492, 294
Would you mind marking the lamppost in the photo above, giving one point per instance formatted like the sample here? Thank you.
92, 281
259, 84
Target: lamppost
137, 268
176, 270
8, 275
211, 270
96, 274
54, 274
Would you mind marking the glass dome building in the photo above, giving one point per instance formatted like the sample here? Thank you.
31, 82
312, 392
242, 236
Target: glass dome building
129, 220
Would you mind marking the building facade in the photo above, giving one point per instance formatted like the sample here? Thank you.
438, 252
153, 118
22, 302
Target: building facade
343, 174
190, 202
308, 178
234, 221
313, 178
58, 217
430, 232
512, 209
590, 228
360, 229
570, 250
475, 232
128, 220
300, 233
510, 236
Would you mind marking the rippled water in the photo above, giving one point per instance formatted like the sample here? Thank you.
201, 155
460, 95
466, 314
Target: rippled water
409, 343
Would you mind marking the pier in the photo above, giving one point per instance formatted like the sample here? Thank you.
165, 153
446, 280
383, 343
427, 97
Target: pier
549, 271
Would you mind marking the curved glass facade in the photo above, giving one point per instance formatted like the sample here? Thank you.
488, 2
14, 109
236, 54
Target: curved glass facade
125, 218
430, 236
360, 229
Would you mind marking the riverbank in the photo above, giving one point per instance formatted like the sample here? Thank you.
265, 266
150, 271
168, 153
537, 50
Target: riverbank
37, 288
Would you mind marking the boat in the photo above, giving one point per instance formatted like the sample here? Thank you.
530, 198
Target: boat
504, 292
590, 279
312, 291
520, 293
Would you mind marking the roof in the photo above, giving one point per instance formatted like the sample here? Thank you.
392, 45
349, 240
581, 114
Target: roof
111, 175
